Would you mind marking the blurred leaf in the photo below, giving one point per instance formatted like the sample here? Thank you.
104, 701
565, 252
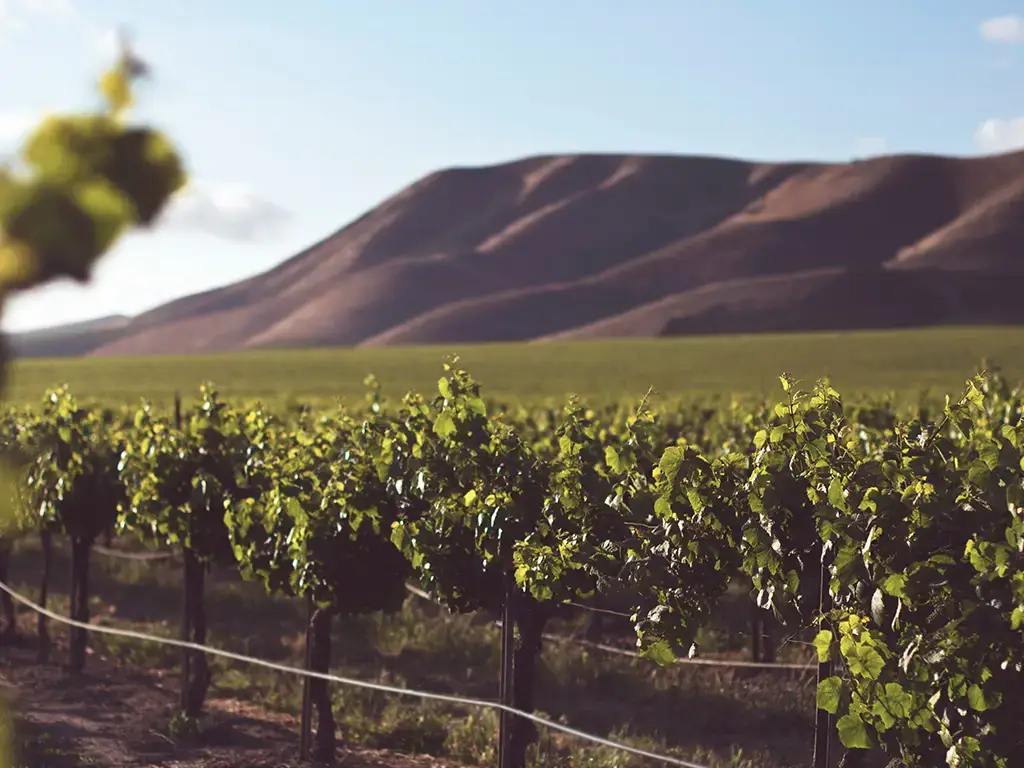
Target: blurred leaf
116, 87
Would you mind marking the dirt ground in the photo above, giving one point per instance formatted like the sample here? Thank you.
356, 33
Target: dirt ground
113, 716
119, 714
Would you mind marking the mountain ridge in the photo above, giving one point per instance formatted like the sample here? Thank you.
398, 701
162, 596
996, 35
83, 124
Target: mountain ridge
610, 245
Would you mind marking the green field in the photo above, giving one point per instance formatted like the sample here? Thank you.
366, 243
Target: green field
903, 361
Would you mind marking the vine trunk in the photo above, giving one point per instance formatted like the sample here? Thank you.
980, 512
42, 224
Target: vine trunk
531, 619
198, 678
42, 629
79, 603
10, 629
319, 690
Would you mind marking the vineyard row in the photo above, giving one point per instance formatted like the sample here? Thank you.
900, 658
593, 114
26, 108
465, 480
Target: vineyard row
898, 538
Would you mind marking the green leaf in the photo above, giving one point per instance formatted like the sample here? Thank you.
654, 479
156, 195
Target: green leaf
852, 732
697, 501
895, 700
398, 536
974, 396
671, 463
115, 85
1017, 618
979, 472
863, 661
895, 585
829, 692
65, 147
612, 459
110, 211
837, 495
976, 698
660, 653
444, 425
662, 507
521, 573
823, 645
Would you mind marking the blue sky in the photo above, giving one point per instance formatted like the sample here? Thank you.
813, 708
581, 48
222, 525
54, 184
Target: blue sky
295, 117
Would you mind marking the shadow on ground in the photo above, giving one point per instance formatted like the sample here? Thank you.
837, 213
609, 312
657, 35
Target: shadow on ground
715, 713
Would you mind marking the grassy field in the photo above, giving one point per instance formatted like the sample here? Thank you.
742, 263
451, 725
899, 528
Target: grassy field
904, 361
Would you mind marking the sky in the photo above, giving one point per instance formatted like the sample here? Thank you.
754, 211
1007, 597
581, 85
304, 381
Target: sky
296, 117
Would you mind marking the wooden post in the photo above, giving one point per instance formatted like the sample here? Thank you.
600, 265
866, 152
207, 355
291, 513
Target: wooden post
822, 719
508, 645
8, 615
42, 623
186, 613
756, 628
306, 721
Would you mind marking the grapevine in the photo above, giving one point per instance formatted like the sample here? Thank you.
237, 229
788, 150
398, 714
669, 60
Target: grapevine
912, 516
320, 529
73, 485
180, 477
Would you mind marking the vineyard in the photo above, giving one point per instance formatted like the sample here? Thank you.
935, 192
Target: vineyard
889, 538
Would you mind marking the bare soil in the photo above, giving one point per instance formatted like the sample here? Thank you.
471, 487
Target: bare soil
114, 716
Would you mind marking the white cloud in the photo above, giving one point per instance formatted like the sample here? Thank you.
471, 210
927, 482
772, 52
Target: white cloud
106, 42
870, 146
228, 211
1003, 29
995, 135
15, 125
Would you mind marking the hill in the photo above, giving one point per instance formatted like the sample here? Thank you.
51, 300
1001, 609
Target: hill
69, 339
600, 246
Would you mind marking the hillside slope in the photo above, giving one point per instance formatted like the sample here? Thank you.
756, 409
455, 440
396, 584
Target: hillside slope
593, 246
68, 340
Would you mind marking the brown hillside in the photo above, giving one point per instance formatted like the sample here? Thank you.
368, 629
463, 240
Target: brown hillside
820, 300
609, 245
